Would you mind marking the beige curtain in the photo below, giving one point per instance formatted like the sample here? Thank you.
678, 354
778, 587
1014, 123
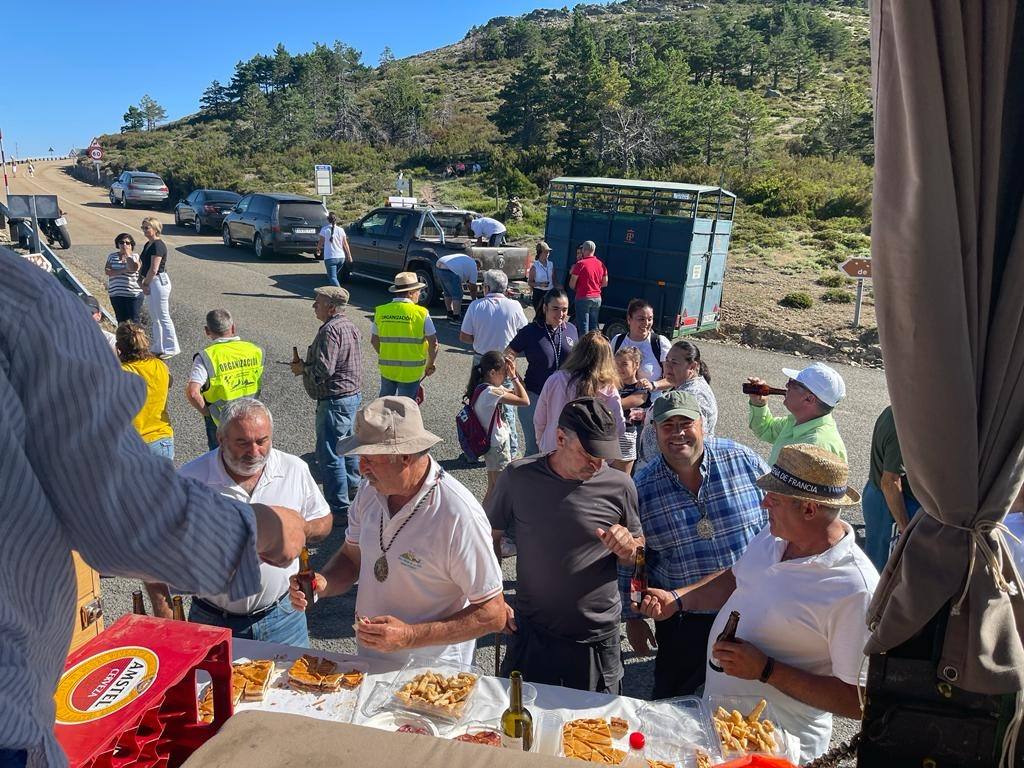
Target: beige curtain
948, 249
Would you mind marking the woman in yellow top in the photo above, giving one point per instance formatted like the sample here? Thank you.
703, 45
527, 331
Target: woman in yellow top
151, 422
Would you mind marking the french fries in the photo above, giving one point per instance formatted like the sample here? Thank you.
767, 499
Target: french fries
434, 690
741, 734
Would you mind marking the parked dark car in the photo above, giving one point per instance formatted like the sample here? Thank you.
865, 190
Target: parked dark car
275, 223
205, 209
138, 188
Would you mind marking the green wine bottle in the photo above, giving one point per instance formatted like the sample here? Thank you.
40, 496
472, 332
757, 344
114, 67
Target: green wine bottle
516, 721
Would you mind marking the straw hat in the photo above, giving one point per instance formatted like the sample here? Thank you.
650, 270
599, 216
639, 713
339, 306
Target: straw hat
809, 473
389, 425
405, 282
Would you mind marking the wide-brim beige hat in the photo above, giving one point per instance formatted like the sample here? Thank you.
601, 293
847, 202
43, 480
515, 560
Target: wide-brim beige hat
405, 282
810, 473
390, 426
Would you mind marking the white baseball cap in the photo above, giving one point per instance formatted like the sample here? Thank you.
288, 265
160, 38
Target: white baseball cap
826, 383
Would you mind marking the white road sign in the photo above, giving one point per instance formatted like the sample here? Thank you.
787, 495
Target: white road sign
324, 177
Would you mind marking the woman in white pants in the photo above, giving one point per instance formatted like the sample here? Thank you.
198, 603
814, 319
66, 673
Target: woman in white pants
157, 286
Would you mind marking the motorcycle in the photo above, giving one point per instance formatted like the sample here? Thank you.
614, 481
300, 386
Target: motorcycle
56, 230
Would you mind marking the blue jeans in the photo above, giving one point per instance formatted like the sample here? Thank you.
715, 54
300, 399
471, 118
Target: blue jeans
587, 311
340, 474
164, 447
526, 419
333, 267
878, 523
211, 432
279, 625
399, 388
451, 283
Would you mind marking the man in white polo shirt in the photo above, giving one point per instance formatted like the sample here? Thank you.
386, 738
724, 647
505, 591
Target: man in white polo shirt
247, 467
454, 270
802, 590
417, 542
486, 230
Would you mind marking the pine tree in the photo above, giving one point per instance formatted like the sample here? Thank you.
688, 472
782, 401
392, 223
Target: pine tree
251, 129
712, 110
400, 109
282, 68
151, 111
576, 93
523, 116
843, 126
134, 120
750, 123
214, 99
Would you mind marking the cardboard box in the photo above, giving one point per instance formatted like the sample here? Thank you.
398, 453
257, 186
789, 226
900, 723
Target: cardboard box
272, 740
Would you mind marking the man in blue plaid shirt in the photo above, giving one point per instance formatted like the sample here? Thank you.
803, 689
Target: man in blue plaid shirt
699, 507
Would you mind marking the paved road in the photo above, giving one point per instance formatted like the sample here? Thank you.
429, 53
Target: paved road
271, 301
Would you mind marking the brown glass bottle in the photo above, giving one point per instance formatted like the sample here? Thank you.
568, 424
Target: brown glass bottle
178, 608
727, 635
295, 355
138, 603
306, 577
762, 390
638, 581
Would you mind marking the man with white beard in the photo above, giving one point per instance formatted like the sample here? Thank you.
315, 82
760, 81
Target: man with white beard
246, 467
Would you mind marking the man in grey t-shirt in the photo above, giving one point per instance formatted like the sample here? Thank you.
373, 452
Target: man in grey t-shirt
576, 520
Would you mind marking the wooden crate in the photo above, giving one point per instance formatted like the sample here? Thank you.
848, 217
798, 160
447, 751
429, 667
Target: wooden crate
87, 622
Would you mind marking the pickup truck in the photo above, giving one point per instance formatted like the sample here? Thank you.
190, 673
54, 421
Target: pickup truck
396, 239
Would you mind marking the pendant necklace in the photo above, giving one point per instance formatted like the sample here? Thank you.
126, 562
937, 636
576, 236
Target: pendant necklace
380, 567
556, 342
705, 529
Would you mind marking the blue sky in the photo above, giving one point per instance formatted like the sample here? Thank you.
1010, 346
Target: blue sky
85, 63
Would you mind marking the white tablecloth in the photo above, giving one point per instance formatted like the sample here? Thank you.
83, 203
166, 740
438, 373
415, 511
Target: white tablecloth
488, 702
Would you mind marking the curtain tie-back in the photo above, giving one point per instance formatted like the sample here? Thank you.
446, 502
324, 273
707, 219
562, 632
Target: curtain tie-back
979, 540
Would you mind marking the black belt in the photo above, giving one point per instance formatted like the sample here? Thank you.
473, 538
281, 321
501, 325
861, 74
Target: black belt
218, 611
338, 397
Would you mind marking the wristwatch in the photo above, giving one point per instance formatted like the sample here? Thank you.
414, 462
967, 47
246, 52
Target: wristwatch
769, 667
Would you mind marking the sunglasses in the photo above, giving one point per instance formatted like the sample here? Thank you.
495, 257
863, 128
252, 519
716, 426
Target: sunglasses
125, 242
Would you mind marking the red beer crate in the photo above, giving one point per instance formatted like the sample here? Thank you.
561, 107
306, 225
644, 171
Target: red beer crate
128, 696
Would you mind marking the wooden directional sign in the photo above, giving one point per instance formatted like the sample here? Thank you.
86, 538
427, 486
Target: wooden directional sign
856, 267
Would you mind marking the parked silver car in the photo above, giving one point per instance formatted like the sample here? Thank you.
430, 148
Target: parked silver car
138, 188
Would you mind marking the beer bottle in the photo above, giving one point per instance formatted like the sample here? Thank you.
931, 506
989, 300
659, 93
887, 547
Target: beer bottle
178, 608
516, 721
638, 581
762, 390
138, 603
306, 577
295, 355
728, 635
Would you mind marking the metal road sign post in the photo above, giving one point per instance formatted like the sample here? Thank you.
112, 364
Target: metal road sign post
323, 175
95, 151
860, 269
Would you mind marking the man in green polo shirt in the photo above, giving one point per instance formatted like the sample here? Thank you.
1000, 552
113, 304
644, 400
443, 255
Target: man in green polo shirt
811, 395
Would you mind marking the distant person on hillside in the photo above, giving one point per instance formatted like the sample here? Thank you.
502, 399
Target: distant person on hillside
333, 246
588, 276
485, 230
14, 167
31, 171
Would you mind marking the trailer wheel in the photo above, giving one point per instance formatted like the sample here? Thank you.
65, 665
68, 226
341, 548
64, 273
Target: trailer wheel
614, 328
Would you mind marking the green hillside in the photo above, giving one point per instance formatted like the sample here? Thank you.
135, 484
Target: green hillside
772, 98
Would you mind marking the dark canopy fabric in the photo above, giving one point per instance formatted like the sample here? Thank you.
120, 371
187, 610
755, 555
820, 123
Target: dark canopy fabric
948, 248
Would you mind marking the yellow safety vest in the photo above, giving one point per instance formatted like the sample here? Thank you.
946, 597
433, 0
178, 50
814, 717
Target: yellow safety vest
403, 347
235, 368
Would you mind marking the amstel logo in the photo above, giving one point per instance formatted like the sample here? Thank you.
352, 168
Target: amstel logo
103, 684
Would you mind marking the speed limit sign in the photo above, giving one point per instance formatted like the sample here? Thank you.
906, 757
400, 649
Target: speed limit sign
96, 153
